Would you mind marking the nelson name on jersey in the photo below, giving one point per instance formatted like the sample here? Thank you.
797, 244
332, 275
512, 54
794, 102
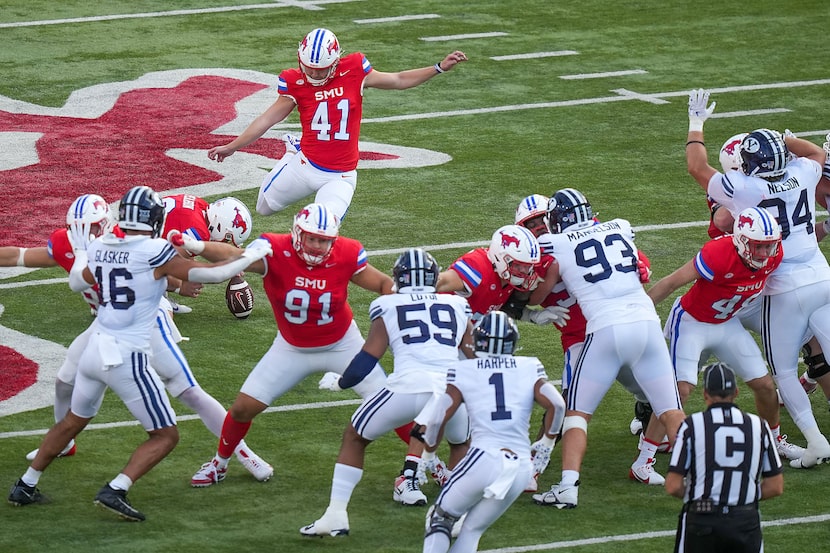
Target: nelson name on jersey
599, 227
789, 184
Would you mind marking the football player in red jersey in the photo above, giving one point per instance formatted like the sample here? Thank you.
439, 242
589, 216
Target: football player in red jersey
327, 91
93, 213
307, 281
728, 273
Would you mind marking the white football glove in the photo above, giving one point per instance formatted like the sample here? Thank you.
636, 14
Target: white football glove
80, 235
185, 241
541, 453
436, 469
555, 314
330, 381
258, 249
698, 112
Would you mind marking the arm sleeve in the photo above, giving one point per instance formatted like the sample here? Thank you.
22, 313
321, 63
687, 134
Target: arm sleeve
220, 273
549, 391
77, 282
361, 365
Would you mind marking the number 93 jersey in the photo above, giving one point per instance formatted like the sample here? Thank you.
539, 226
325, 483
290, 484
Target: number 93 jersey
425, 330
598, 265
124, 269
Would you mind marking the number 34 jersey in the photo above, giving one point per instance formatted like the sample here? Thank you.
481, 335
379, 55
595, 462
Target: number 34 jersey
598, 265
424, 332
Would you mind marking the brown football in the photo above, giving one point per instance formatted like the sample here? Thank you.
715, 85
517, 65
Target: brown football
240, 297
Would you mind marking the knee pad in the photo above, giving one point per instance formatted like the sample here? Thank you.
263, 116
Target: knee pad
440, 521
816, 364
574, 421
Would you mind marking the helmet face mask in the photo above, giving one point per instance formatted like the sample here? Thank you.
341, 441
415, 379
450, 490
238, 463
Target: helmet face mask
764, 154
495, 334
314, 232
92, 213
531, 214
568, 207
415, 271
141, 208
730, 153
756, 236
229, 220
318, 55
514, 252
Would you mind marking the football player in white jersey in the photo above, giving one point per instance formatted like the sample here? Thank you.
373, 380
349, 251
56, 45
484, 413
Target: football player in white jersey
796, 299
498, 390
598, 264
130, 272
425, 331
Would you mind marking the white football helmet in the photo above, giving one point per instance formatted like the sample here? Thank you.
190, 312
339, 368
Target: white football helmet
757, 236
533, 206
319, 50
314, 221
92, 213
229, 221
514, 251
730, 153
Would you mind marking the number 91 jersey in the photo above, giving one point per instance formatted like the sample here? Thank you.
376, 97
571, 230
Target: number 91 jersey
598, 265
424, 330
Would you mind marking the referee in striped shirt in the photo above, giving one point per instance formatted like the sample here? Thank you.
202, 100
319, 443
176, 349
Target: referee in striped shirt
723, 462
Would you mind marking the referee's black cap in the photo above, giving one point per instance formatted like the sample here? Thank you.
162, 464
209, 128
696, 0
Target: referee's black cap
719, 380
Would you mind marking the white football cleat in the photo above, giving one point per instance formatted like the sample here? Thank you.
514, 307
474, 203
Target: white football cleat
635, 426
68, 451
208, 475
408, 492
813, 455
646, 474
332, 523
559, 496
787, 450
253, 463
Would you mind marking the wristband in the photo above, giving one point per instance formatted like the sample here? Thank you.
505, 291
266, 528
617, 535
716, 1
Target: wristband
20, 262
695, 125
695, 142
437, 67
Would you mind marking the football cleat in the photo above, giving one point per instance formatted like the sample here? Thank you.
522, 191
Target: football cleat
646, 474
787, 450
808, 383
813, 455
635, 426
208, 475
21, 495
178, 308
332, 523
68, 451
254, 464
117, 502
559, 496
408, 492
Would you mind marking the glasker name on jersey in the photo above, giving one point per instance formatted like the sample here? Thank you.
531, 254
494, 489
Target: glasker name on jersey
788, 184
313, 283
326, 94
599, 227
491, 363
119, 258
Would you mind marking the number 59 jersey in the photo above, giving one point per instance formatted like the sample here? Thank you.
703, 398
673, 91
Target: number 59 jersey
425, 330
598, 265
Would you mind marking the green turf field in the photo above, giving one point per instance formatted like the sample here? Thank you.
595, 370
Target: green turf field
603, 111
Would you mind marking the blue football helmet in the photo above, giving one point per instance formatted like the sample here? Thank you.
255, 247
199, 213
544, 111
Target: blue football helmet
141, 208
566, 208
415, 271
495, 334
764, 154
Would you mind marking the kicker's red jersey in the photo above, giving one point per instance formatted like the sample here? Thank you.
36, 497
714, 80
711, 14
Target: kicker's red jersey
725, 282
187, 214
330, 115
310, 303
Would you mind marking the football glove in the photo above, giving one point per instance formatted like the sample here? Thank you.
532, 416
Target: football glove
555, 314
330, 381
190, 244
541, 450
257, 249
698, 112
80, 235
433, 465
644, 269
